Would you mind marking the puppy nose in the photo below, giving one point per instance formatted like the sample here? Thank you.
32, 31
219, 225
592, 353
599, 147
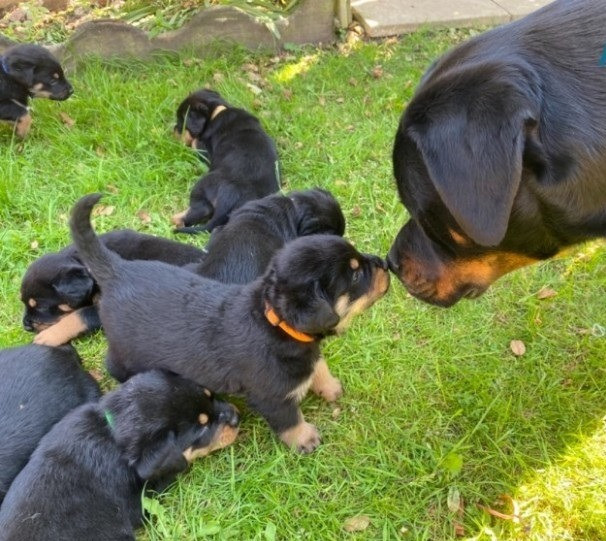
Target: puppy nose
70, 90
27, 324
230, 416
394, 266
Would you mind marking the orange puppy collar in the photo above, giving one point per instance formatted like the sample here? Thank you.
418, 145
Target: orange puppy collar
275, 321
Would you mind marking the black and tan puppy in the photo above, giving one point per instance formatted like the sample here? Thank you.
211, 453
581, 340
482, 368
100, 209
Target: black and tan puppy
239, 251
500, 157
28, 71
243, 159
38, 386
84, 481
259, 340
59, 292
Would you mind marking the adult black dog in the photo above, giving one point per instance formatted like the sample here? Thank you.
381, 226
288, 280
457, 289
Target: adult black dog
28, 71
60, 293
38, 386
260, 340
243, 159
84, 480
500, 157
239, 251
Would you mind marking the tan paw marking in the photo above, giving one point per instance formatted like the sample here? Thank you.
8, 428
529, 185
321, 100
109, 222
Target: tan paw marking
23, 125
303, 437
324, 384
61, 332
177, 219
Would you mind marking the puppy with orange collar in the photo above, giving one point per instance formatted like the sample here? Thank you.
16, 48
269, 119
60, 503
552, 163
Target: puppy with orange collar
260, 340
243, 159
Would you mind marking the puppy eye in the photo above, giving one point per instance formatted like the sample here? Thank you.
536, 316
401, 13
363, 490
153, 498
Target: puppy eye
356, 276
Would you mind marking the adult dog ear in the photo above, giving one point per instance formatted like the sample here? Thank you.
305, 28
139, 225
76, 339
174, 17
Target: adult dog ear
471, 133
74, 284
161, 461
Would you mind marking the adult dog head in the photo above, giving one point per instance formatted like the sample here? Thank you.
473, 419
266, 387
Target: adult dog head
500, 157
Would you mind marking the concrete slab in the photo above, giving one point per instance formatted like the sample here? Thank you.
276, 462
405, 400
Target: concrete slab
520, 8
391, 17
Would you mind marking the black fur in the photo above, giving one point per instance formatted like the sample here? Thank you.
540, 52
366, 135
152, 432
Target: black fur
29, 71
239, 251
501, 154
84, 481
61, 279
243, 159
157, 316
38, 386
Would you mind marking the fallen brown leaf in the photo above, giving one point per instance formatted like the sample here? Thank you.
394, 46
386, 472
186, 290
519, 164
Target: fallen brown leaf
356, 524
356, 211
377, 72
66, 119
103, 210
112, 189
336, 413
517, 347
546, 293
144, 217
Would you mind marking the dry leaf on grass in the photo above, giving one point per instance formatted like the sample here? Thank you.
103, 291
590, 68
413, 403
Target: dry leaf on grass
103, 210
377, 72
356, 211
144, 217
66, 119
504, 500
358, 523
112, 188
34, 245
517, 347
546, 293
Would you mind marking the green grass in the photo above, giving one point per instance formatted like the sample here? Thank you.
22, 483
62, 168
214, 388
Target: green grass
435, 403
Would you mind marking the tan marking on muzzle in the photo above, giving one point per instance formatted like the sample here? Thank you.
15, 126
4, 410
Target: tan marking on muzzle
224, 437
37, 91
185, 137
347, 310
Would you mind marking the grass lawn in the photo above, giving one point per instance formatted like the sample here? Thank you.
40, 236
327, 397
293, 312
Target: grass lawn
438, 413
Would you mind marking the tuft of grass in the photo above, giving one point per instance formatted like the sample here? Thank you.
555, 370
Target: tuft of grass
435, 402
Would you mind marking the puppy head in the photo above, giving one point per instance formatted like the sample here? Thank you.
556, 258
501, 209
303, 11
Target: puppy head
318, 283
194, 113
318, 213
37, 70
465, 147
53, 286
162, 421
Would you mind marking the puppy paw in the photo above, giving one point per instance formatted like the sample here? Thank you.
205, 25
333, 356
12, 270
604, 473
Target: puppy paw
178, 219
304, 437
330, 389
48, 337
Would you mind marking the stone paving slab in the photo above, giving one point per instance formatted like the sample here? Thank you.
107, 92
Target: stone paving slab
521, 8
392, 17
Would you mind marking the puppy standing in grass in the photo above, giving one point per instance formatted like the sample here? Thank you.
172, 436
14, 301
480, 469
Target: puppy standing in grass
260, 340
243, 159
84, 481
28, 71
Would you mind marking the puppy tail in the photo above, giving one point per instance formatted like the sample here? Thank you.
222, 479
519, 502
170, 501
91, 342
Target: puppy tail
90, 249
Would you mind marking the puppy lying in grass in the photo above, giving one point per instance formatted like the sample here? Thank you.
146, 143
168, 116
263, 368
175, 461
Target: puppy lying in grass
38, 386
239, 251
60, 294
243, 159
260, 340
28, 71
85, 479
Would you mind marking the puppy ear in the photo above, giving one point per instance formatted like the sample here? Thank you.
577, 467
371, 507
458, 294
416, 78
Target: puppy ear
22, 71
161, 461
316, 316
472, 136
75, 284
